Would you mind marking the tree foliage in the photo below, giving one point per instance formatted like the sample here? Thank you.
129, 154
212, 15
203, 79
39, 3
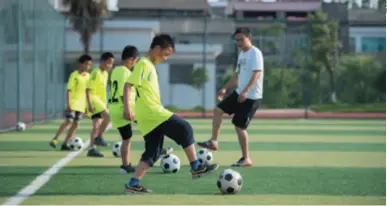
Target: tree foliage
324, 45
199, 77
86, 17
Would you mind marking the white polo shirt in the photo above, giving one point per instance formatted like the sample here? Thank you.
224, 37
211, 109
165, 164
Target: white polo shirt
248, 62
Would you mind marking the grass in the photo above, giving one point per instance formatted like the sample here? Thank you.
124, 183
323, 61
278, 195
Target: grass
295, 162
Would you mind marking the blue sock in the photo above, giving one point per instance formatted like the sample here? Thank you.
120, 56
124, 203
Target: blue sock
134, 181
194, 165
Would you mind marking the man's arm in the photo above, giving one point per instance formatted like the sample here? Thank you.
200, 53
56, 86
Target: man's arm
256, 67
70, 87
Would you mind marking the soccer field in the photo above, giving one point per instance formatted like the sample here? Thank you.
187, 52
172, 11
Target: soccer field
295, 162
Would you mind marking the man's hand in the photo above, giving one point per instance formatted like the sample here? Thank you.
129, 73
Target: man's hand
128, 115
242, 97
91, 108
221, 94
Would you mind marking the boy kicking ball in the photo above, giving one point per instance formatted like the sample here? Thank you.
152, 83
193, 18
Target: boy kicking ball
118, 79
153, 119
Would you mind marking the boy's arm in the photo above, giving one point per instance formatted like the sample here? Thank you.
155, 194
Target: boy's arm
70, 86
135, 79
88, 91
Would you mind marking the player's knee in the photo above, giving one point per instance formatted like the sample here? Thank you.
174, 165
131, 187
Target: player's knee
240, 124
218, 111
106, 114
187, 136
75, 123
68, 121
149, 158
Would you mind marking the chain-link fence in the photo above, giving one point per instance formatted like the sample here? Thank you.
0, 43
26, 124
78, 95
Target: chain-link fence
31, 62
306, 62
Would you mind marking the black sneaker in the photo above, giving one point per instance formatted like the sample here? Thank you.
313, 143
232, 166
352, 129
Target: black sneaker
65, 147
127, 169
204, 170
93, 152
136, 189
100, 141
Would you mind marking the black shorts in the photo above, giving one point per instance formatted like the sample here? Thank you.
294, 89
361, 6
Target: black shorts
73, 115
126, 132
176, 128
243, 112
97, 116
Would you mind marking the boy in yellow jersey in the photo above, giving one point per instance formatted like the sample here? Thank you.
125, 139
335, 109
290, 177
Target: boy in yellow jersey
97, 103
118, 79
76, 101
153, 119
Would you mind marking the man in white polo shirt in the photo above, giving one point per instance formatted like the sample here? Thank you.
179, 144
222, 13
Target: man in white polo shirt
245, 100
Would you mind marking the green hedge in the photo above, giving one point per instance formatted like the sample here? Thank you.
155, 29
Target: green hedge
342, 107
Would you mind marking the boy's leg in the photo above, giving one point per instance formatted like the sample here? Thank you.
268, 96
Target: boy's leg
105, 123
228, 106
181, 132
70, 115
126, 134
153, 145
93, 151
245, 112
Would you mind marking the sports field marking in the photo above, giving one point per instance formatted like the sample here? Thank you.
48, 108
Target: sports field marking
42, 179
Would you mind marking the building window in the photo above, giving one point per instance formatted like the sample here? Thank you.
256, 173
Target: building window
352, 44
180, 73
373, 44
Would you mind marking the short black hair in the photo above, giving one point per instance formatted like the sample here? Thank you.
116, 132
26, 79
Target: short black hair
85, 57
129, 52
164, 41
107, 55
243, 30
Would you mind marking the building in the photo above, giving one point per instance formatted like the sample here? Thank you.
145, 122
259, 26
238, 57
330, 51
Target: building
137, 22
367, 30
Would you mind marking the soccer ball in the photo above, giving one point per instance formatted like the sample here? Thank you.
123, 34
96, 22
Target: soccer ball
170, 163
76, 143
20, 126
116, 149
229, 182
204, 156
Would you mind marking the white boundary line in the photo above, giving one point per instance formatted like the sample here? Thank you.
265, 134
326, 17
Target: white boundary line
42, 179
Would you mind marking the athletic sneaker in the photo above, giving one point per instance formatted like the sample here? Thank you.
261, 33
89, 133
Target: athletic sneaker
93, 152
65, 147
100, 141
166, 151
136, 189
242, 162
127, 169
203, 170
53, 143
211, 145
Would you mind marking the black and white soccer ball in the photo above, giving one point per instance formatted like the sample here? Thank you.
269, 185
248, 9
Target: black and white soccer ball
76, 143
20, 126
116, 149
229, 182
170, 163
204, 156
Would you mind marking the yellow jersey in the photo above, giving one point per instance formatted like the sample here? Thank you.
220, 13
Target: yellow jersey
98, 83
77, 86
149, 112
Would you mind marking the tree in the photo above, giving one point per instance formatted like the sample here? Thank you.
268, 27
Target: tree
198, 78
324, 46
86, 17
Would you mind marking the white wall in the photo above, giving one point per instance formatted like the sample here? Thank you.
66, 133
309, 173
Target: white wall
184, 96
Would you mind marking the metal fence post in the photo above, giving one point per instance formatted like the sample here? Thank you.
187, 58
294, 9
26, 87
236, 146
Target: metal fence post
305, 72
204, 66
19, 58
34, 64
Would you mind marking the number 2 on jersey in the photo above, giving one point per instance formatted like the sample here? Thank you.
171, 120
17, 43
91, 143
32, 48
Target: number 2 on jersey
114, 87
